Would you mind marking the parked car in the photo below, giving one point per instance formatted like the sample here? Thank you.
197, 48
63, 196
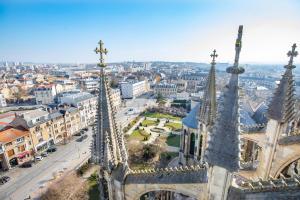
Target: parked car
51, 149
26, 164
4, 179
81, 138
85, 129
78, 134
44, 154
39, 158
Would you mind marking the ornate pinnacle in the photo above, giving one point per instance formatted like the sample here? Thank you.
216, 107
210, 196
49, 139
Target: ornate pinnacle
214, 55
292, 54
235, 69
101, 50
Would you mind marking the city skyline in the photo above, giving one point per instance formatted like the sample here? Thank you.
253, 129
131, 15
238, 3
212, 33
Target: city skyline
66, 32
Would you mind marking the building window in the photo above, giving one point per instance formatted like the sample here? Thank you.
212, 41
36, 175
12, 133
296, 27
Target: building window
10, 153
20, 140
21, 148
8, 144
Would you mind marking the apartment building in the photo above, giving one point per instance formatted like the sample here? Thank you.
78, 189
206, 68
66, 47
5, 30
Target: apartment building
86, 103
2, 101
131, 90
65, 123
45, 94
166, 90
116, 98
89, 84
38, 123
15, 147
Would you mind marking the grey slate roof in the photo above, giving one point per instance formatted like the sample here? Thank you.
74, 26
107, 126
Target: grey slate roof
246, 119
288, 140
55, 115
259, 115
191, 120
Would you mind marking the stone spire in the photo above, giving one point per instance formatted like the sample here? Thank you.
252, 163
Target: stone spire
282, 106
208, 108
223, 147
109, 144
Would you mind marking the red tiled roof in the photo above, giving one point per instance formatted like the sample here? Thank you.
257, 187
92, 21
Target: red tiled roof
6, 115
12, 134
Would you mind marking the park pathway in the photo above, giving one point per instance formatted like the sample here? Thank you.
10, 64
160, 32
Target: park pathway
129, 132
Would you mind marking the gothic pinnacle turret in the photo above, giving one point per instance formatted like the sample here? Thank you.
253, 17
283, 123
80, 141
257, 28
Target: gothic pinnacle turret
223, 147
208, 108
282, 106
109, 142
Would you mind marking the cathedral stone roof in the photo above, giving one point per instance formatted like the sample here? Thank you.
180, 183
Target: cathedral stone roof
191, 120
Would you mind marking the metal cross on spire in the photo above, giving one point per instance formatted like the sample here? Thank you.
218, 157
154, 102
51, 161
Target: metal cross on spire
214, 55
101, 50
292, 54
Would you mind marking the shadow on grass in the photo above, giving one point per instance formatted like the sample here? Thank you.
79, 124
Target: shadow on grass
93, 190
173, 140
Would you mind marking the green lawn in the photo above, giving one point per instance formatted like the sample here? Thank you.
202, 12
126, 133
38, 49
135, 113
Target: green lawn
139, 135
173, 140
93, 191
174, 126
161, 115
147, 122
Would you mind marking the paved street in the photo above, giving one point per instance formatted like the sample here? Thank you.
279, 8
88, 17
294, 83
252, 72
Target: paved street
138, 105
30, 180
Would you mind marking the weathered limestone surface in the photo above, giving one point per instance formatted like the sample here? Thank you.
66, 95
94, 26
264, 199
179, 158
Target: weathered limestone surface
135, 191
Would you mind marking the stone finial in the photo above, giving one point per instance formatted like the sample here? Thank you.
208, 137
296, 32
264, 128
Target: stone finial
235, 69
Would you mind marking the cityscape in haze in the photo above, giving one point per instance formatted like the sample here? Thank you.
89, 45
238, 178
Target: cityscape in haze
149, 100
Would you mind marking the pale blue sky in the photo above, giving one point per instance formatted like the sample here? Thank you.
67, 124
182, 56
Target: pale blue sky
187, 30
